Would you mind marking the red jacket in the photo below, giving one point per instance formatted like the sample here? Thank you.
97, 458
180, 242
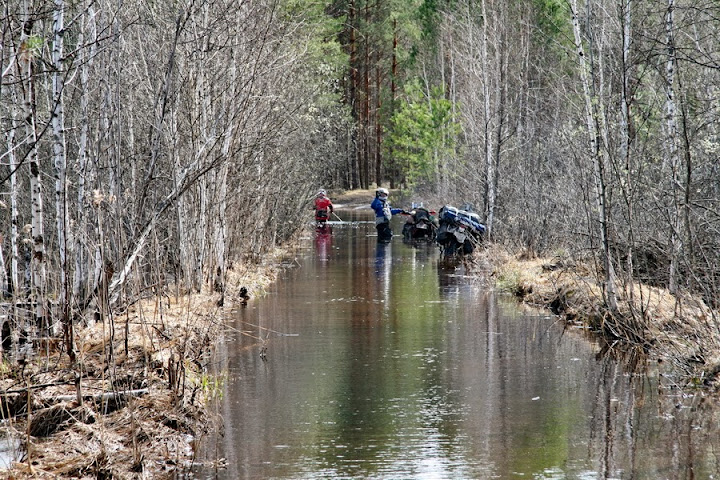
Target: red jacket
323, 204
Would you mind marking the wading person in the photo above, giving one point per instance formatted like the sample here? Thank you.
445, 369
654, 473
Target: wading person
383, 213
323, 208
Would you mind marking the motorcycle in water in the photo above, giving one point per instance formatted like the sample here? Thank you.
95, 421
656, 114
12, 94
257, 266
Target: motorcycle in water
459, 232
420, 225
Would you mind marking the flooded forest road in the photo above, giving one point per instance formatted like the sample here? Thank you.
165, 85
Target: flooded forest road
382, 363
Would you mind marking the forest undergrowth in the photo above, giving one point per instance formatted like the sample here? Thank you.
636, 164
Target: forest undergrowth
135, 403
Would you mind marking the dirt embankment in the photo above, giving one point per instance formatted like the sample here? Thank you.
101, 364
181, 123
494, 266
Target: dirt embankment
681, 330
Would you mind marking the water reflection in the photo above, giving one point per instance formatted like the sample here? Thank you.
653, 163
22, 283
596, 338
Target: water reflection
323, 242
643, 426
403, 368
10, 450
382, 260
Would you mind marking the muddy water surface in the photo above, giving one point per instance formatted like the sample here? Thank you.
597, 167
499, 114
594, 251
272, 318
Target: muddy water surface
380, 362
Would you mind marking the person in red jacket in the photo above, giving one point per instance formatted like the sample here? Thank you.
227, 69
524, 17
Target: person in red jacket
323, 207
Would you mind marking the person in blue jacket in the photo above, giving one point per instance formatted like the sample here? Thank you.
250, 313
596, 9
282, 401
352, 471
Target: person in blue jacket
383, 213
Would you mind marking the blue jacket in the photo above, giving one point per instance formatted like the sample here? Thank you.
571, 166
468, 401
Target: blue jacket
383, 209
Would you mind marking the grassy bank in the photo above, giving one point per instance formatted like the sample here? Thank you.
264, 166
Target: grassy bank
677, 329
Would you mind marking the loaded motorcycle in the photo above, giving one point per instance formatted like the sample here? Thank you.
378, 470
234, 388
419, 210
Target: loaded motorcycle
459, 232
420, 225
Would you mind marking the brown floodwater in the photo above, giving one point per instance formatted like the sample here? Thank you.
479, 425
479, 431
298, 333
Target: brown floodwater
371, 361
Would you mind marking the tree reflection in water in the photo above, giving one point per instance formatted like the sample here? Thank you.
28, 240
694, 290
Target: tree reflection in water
404, 367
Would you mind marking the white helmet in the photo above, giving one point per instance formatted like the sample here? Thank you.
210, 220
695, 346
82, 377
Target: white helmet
381, 191
321, 193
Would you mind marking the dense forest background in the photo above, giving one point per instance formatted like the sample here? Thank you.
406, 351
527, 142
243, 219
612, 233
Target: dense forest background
156, 143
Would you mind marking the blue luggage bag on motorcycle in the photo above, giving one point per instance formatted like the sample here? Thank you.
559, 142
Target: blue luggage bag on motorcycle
460, 230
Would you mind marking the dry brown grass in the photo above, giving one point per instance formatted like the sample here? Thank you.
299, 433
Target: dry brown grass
679, 329
160, 348
352, 198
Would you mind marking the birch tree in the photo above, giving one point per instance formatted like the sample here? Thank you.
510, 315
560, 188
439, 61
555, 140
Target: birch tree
624, 148
30, 48
60, 162
672, 157
83, 170
597, 158
13, 112
488, 120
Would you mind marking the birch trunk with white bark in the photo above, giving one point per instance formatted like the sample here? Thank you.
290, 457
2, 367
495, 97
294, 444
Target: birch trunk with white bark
592, 116
26, 76
84, 173
60, 162
627, 182
488, 122
672, 158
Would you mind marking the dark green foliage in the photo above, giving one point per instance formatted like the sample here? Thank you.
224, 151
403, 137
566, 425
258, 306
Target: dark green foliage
422, 131
428, 15
551, 24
